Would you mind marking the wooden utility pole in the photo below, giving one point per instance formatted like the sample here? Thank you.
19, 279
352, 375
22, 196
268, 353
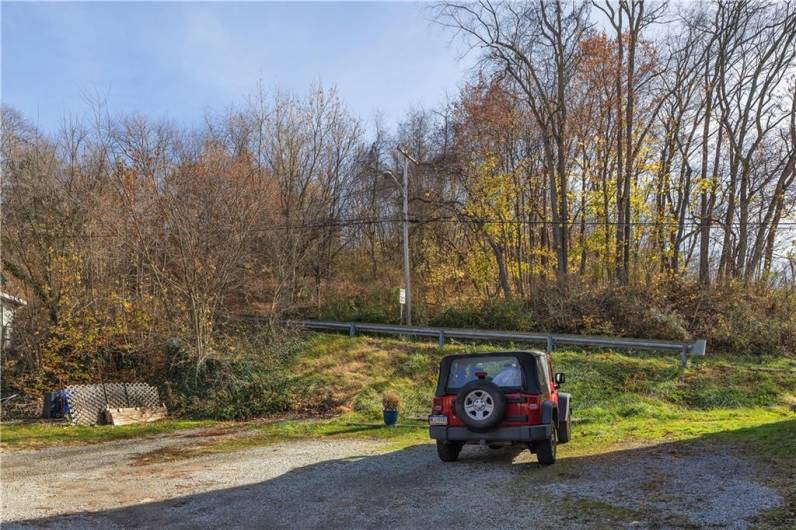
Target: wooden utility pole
407, 274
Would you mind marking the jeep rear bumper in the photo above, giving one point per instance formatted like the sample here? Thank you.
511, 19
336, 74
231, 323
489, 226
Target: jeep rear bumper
522, 433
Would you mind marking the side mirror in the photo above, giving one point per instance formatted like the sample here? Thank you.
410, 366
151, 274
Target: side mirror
561, 378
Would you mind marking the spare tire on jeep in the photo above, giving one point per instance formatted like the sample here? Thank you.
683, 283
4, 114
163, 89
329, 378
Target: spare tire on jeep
480, 404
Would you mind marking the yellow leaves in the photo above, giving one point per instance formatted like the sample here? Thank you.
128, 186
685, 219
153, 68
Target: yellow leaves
443, 271
480, 267
705, 185
492, 193
90, 325
653, 166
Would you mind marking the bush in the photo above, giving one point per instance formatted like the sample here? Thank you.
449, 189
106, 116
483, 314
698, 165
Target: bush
378, 307
497, 314
737, 318
248, 377
734, 318
87, 343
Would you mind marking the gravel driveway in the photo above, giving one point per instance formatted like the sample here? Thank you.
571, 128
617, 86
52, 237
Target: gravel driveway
360, 484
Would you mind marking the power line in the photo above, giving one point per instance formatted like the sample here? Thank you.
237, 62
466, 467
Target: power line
365, 221
714, 224
349, 222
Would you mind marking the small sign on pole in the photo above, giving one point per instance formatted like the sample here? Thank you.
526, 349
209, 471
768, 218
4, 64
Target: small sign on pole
402, 296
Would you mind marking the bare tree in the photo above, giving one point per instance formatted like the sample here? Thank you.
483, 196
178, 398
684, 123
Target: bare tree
756, 48
632, 128
192, 208
537, 46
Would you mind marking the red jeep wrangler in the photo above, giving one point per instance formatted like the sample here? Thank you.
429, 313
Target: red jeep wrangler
498, 398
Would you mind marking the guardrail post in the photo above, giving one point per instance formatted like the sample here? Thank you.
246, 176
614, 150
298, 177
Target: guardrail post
549, 344
441, 339
352, 330
684, 357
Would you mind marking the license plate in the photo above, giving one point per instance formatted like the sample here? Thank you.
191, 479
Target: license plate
437, 420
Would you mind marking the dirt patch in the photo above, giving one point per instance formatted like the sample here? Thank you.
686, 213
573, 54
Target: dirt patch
211, 432
228, 439
166, 454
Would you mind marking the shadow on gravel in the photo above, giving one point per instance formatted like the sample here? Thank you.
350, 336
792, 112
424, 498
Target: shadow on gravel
696, 483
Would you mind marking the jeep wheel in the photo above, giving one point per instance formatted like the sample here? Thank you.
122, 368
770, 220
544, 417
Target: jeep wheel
480, 405
546, 450
449, 451
564, 431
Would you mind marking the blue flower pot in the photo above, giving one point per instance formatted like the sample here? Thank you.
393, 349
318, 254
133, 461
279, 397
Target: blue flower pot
390, 417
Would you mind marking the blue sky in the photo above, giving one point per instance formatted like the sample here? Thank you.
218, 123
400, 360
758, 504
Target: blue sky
180, 60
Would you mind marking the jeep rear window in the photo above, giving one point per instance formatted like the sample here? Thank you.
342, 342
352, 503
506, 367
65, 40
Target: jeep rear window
505, 372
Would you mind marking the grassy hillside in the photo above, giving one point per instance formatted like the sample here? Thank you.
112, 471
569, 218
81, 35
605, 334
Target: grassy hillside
617, 396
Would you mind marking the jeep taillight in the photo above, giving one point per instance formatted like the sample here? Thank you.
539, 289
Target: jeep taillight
437, 405
533, 402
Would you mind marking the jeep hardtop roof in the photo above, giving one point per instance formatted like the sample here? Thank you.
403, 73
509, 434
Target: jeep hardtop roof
517, 353
530, 361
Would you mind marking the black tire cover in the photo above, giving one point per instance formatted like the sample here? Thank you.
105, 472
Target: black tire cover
498, 398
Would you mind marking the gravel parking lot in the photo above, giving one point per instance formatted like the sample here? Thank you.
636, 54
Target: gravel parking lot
361, 484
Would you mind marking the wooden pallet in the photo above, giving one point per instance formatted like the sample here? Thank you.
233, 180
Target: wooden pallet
128, 415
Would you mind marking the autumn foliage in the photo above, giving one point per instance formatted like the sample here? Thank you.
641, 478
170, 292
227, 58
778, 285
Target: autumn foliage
621, 182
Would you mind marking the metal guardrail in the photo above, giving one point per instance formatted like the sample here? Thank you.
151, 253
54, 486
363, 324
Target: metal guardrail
694, 348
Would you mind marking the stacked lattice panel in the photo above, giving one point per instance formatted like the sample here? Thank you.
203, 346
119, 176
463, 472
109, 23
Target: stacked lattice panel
87, 403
